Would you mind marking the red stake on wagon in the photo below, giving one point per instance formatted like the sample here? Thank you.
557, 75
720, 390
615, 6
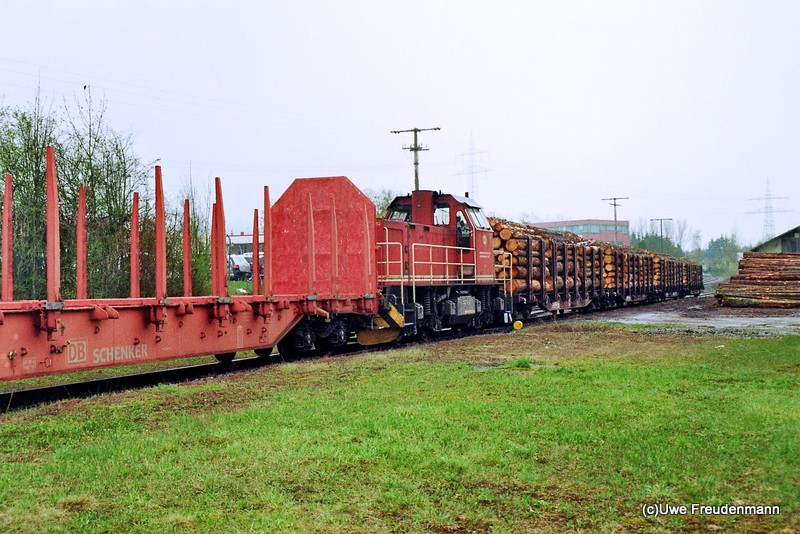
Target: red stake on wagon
39, 337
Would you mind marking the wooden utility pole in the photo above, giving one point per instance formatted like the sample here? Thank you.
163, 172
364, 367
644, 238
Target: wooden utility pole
614, 203
415, 148
661, 221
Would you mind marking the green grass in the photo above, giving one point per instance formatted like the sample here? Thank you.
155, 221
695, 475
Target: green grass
522, 363
240, 287
428, 438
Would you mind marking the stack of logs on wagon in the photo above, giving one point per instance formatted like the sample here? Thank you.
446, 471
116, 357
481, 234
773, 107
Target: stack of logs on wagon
558, 270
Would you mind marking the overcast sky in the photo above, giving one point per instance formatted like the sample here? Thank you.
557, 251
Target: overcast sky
686, 107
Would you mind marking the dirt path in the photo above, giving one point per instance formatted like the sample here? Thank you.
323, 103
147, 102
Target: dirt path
702, 315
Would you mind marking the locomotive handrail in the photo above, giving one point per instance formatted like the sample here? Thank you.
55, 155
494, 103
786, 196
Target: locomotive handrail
387, 263
430, 263
506, 269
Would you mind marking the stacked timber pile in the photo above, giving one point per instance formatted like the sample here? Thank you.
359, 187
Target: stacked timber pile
765, 280
522, 264
659, 269
612, 255
624, 267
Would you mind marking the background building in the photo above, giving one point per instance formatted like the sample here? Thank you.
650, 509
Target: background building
788, 241
599, 229
242, 243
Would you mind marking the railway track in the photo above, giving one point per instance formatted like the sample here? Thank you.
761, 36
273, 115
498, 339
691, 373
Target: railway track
27, 398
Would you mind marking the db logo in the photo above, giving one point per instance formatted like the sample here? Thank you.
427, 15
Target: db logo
77, 351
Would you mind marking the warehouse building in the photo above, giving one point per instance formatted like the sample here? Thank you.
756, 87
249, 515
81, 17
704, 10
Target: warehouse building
597, 229
242, 243
788, 241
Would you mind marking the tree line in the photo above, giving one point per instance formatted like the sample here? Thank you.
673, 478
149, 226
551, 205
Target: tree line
89, 151
720, 257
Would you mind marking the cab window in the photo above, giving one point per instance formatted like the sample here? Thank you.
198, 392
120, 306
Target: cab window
478, 218
441, 215
399, 213
463, 232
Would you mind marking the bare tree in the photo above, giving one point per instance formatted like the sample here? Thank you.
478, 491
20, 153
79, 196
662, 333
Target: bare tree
679, 232
24, 134
103, 159
89, 151
382, 198
200, 234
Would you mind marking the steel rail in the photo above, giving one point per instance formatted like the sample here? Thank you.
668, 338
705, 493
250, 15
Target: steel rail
26, 398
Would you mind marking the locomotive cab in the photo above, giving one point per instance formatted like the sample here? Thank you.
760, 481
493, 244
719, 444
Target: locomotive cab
435, 261
454, 225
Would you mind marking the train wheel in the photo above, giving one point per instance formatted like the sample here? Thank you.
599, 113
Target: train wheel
323, 346
264, 353
226, 357
287, 350
423, 335
400, 341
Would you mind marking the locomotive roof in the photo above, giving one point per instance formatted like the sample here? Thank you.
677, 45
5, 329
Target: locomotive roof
468, 201
464, 200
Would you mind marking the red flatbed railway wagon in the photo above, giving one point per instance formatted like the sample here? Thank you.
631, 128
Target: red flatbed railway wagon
322, 280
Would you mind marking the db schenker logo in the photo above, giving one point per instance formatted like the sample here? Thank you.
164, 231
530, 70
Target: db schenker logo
77, 352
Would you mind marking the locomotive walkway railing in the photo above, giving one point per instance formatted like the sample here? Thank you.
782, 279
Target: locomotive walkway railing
438, 271
505, 268
385, 267
441, 269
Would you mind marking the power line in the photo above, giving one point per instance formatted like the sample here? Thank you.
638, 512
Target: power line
173, 97
614, 203
416, 148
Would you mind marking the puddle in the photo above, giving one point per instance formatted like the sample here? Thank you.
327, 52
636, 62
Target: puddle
762, 325
502, 364
485, 367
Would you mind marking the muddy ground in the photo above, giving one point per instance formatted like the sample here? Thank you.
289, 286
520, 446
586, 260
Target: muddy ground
702, 315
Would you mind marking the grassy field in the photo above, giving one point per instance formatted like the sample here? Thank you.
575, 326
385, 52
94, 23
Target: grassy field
554, 427
236, 287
